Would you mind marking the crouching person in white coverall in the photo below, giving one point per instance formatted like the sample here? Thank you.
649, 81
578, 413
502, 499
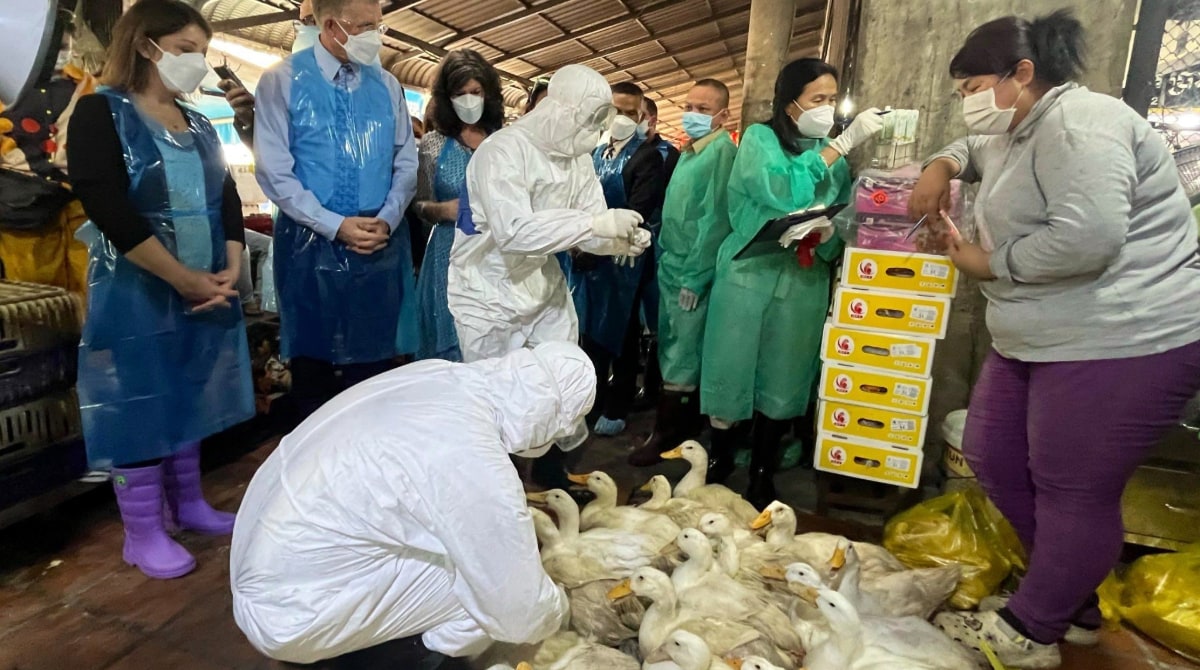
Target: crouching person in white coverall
533, 193
394, 515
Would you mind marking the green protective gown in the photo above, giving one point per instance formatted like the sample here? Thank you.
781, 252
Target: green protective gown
695, 223
767, 312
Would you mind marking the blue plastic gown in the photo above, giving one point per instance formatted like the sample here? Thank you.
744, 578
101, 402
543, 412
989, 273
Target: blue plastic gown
604, 294
439, 339
336, 305
153, 377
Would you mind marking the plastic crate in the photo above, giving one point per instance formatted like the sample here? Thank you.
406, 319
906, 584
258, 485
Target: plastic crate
40, 472
30, 427
34, 318
28, 376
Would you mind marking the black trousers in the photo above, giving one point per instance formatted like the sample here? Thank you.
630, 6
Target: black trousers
316, 382
406, 653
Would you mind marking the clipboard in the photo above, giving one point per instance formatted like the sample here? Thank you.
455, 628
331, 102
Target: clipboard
767, 239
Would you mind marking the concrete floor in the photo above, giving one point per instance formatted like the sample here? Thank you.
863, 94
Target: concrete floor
68, 602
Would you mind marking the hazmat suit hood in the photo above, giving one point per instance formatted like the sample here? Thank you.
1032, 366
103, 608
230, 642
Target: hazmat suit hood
541, 396
577, 110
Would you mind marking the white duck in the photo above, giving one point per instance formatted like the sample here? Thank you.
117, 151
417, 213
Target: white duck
686, 513
665, 615
780, 522
872, 643
619, 552
603, 512
569, 651
897, 594
755, 663
693, 484
728, 541
688, 651
587, 582
710, 592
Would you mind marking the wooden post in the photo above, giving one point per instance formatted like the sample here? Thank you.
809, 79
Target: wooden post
767, 47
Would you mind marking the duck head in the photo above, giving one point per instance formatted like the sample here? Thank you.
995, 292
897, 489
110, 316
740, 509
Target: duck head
690, 451
688, 651
716, 525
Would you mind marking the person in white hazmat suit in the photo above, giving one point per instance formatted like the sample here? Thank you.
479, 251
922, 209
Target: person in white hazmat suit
394, 515
533, 192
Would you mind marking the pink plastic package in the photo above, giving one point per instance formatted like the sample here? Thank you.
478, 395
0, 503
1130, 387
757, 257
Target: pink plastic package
885, 234
888, 197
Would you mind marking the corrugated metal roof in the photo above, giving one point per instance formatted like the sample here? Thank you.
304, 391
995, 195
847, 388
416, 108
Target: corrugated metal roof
662, 44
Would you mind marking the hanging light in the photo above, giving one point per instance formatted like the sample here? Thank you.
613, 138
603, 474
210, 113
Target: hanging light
256, 57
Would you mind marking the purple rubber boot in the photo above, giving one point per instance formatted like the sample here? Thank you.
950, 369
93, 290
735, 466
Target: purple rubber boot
181, 479
147, 545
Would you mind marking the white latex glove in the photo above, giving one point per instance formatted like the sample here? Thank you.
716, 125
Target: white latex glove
616, 223
688, 300
866, 125
800, 231
638, 242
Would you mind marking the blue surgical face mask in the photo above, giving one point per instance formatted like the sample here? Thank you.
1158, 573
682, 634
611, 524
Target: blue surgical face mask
306, 37
697, 125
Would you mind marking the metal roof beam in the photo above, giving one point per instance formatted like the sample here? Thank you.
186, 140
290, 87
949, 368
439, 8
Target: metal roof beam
796, 37
605, 25
230, 25
504, 21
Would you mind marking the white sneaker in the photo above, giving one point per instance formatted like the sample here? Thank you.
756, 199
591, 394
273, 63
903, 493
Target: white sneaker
1013, 649
1076, 635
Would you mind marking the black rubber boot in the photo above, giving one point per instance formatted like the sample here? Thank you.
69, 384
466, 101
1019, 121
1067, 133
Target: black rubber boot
722, 454
764, 460
677, 420
804, 430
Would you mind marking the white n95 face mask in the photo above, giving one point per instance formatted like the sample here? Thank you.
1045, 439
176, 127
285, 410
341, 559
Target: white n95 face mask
468, 107
983, 116
815, 122
622, 128
362, 48
181, 73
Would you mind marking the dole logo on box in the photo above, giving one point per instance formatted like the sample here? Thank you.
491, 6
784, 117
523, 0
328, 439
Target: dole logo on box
841, 418
858, 308
842, 384
867, 269
837, 456
845, 345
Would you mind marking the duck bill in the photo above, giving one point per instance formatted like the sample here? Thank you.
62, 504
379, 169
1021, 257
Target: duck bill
673, 454
648, 487
809, 595
735, 663
582, 480
524, 666
537, 498
774, 572
762, 521
838, 560
620, 591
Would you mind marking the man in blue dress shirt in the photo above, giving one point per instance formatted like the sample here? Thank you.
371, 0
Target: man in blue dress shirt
337, 157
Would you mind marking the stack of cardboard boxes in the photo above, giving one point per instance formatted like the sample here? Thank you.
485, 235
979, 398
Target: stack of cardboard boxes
889, 311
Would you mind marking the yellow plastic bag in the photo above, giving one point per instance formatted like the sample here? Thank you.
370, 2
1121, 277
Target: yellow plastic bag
1160, 596
961, 527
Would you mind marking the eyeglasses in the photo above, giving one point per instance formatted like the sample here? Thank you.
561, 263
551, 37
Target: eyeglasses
380, 28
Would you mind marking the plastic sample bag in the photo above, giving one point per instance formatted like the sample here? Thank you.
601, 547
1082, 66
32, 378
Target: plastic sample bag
1160, 596
962, 527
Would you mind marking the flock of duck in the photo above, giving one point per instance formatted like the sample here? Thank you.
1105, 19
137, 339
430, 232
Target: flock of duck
698, 579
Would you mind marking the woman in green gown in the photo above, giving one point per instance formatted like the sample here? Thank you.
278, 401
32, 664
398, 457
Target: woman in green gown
765, 320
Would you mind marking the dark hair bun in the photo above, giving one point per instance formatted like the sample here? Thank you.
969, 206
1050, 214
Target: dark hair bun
1057, 42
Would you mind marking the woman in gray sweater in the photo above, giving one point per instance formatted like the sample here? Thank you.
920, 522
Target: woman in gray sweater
1088, 256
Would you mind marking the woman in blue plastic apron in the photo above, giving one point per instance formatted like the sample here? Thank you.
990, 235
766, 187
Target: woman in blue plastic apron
163, 362
467, 107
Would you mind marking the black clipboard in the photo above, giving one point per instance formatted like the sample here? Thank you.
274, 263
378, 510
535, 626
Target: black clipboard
767, 239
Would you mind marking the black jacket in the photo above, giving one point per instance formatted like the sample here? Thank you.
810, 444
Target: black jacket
645, 181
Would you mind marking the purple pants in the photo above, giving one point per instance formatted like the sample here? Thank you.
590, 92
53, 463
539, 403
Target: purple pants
1053, 445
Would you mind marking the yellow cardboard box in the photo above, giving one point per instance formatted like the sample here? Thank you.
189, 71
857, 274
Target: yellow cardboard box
871, 423
899, 271
868, 459
864, 386
882, 351
903, 314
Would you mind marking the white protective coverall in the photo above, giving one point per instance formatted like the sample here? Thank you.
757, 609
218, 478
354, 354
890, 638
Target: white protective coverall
533, 193
395, 511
